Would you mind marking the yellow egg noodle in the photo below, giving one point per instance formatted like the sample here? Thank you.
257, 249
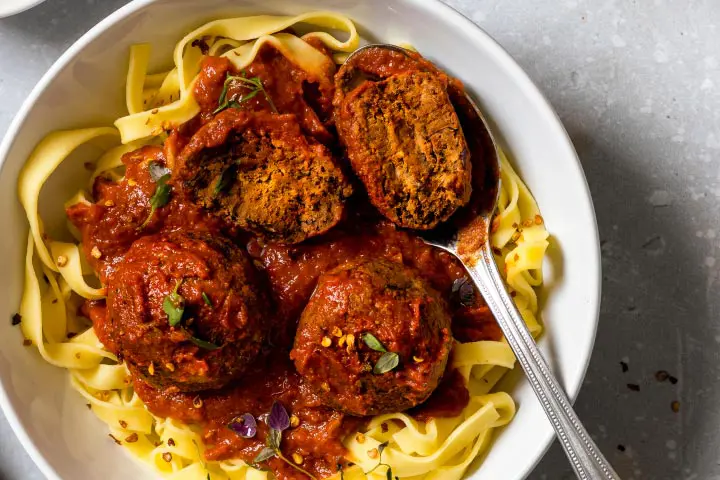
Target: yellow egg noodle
441, 448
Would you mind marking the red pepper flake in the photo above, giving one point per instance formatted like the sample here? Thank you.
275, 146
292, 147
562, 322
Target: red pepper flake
634, 387
201, 44
16, 319
624, 367
132, 438
167, 456
171, 442
114, 439
122, 423
27, 342
675, 406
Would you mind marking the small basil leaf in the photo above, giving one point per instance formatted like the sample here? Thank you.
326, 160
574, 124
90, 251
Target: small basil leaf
225, 178
207, 300
274, 438
161, 197
157, 171
372, 342
387, 362
245, 426
279, 419
174, 307
203, 343
265, 454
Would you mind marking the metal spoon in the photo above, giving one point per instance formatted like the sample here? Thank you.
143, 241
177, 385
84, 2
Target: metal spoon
585, 457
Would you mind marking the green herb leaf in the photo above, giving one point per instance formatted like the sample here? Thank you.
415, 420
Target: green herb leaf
389, 473
274, 438
225, 178
387, 362
174, 305
372, 342
207, 300
254, 84
203, 343
160, 198
265, 454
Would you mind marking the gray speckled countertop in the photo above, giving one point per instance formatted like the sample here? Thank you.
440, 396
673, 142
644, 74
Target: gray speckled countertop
637, 84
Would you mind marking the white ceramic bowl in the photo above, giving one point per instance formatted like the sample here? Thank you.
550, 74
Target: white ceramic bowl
11, 7
85, 87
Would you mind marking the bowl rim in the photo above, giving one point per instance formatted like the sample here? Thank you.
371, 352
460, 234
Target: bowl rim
445, 13
19, 8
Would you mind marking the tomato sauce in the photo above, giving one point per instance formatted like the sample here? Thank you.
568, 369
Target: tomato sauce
122, 214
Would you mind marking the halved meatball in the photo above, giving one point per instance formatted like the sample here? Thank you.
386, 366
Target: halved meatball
358, 310
260, 172
218, 311
405, 143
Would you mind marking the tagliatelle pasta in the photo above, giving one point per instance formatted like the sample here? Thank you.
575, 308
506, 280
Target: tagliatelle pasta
440, 448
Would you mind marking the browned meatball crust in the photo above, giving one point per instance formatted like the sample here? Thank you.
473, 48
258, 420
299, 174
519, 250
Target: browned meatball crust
405, 143
220, 331
393, 304
261, 173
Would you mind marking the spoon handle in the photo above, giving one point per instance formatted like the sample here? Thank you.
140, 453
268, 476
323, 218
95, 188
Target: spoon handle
585, 457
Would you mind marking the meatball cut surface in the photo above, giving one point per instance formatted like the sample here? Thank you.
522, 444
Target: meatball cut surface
199, 339
404, 141
358, 310
260, 172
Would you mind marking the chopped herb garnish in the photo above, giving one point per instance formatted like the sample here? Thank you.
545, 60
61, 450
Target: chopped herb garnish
278, 420
16, 319
255, 86
224, 179
207, 300
157, 171
265, 454
387, 362
380, 463
160, 198
203, 343
342, 473
174, 305
245, 426
202, 462
372, 342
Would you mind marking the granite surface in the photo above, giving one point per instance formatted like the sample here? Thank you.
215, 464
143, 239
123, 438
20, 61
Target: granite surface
637, 84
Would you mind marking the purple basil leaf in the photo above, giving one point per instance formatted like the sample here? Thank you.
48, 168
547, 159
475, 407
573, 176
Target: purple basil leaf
279, 419
245, 426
